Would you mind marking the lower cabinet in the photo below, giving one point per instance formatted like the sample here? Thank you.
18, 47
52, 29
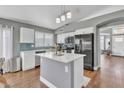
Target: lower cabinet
37, 60
28, 60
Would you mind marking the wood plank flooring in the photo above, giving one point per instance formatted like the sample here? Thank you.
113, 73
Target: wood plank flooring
111, 75
26, 79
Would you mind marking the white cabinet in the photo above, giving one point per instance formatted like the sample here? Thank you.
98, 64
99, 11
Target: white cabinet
84, 31
61, 37
37, 60
26, 35
28, 60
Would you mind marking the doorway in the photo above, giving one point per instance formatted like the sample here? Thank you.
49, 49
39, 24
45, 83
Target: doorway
112, 40
111, 44
112, 54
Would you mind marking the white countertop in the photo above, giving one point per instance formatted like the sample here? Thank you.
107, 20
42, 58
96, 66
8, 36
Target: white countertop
66, 58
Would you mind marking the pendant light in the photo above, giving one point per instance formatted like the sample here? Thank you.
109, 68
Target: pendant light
69, 15
58, 20
64, 15
63, 18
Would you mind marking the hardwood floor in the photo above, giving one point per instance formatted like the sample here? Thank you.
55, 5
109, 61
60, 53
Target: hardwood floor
26, 79
111, 75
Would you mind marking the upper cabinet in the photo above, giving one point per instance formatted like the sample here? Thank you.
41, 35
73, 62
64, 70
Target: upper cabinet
84, 31
26, 35
61, 37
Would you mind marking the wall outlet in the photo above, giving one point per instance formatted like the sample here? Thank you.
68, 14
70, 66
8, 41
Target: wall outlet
66, 68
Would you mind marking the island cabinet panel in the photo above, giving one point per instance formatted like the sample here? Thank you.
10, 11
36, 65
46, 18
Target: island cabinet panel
78, 72
60, 74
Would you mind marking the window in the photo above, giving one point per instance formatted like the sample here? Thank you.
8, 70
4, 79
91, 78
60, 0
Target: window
49, 39
6, 46
6, 42
102, 42
119, 39
39, 39
43, 39
118, 31
118, 44
107, 41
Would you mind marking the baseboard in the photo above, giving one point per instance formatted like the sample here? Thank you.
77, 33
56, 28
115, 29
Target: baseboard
117, 55
29, 68
46, 82
37, 66
96, 68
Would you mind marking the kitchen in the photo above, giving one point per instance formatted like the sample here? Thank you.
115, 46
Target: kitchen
33, 44
66, 55
56, 54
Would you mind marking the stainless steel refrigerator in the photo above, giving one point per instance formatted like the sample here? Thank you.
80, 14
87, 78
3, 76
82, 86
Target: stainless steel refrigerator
84, 44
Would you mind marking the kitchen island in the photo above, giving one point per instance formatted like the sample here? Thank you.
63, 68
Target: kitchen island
61, 71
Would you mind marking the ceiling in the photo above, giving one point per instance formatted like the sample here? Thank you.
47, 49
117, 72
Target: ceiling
44, 15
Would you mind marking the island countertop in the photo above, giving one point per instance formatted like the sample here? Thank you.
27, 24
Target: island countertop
65, 58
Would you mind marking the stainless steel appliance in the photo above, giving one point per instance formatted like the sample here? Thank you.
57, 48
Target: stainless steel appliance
68, 46
84, 44
69, 39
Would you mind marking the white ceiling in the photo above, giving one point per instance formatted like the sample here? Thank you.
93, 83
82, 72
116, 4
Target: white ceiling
44, 15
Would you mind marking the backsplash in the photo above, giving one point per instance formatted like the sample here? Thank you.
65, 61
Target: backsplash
26, 46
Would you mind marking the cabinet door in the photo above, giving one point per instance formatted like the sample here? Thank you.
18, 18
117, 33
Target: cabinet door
28, 60
84, 31
26, 35
61, 37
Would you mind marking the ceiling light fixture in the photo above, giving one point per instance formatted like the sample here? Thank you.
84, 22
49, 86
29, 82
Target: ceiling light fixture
63, 18
58, 20
64, 15
69, 15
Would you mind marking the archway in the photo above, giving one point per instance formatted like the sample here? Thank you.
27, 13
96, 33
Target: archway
106, 23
